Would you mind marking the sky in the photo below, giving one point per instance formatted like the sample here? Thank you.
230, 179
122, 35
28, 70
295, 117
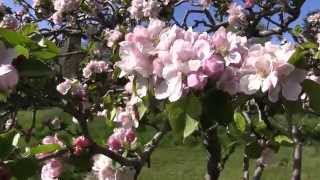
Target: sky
309, 5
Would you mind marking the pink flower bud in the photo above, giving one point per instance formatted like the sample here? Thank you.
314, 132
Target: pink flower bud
80, 144
8, 77
213, 67
197, 80
249, 3
130, 135
114, 143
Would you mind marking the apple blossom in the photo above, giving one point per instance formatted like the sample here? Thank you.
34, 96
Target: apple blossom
51, 170
103, 167
9, 22
205, 3
112, 36
74, 86
249, 3
197, 80
236, 14
95, 67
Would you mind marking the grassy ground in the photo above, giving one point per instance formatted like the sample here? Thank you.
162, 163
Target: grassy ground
187, 162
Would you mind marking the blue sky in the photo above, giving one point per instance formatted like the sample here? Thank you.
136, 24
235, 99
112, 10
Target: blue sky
310, 5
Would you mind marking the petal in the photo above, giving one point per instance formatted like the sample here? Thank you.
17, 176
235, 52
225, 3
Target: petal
291, 90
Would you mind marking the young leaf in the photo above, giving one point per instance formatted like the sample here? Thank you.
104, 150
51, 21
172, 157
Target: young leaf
240, 122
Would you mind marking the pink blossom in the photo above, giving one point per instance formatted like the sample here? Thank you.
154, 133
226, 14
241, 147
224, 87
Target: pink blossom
205, 3
51, 170
130, 135
213, 67
103, 167
112, 36
8, 77
80, 144
236, 14
151, 8
136, 8
73, 86
219, 39
197, 80
95, 67
249, 3
9, 22
64, 87
52, 140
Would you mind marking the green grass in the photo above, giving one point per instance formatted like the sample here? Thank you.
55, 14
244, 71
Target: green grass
188, 162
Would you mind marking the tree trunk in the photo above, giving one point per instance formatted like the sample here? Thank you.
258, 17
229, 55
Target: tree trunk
212, 145
297, 154
245, 167
258, 171
70, 64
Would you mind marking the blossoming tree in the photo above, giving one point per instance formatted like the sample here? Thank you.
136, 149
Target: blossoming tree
136, 64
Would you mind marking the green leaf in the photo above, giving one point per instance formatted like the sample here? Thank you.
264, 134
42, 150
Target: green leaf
312, 89
300, 53
16, 139
14, 38
184, 115
282, 139
240, 122
46, 148
253, 150
6, 146
33, 68
29, 28
44, 54
24, 168
22, 51
190, 126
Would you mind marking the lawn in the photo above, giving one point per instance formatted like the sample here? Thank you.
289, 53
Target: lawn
187, 162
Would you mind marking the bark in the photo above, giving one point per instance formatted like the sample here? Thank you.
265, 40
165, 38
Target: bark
70, 64
297, 154
213, 147
245, 167
258, 172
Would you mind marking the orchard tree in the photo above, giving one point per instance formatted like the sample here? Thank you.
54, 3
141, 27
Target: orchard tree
203, 68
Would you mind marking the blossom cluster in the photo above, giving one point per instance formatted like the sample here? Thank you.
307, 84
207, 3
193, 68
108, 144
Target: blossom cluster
124, 136
63, 6
112, 36
237, 15
96, 67
172, 61
9, 21
73, 86
144, 8
104, 169
53, 167
8, 74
